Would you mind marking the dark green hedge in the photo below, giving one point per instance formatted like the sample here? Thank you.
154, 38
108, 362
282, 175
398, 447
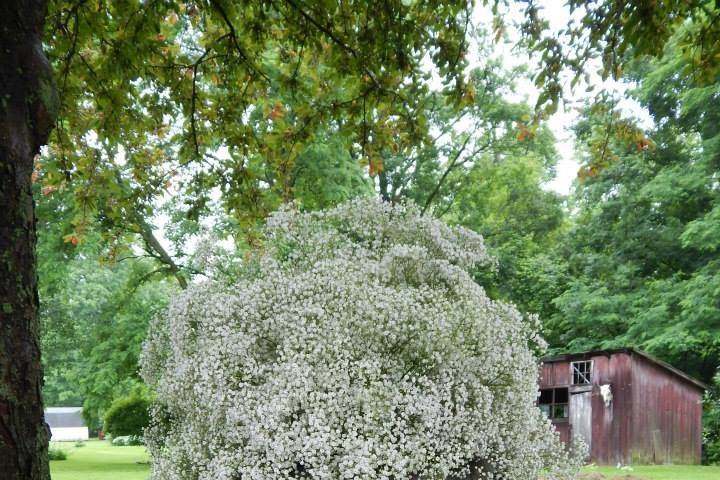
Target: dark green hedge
127, 416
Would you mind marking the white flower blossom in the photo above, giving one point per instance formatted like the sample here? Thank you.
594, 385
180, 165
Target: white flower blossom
355, 345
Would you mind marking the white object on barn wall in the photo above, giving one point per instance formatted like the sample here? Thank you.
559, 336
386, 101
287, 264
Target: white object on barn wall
606, 394
66, 424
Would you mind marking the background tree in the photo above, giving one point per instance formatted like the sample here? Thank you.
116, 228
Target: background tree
93, 329
504, 200
94, 313
711, 423
642, 254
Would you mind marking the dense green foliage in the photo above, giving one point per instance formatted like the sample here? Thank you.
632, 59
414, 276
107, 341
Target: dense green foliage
326, 175
204, 97
94, 316
56, 454
127, 416
521, 222
94, 326
711, 420
643, 265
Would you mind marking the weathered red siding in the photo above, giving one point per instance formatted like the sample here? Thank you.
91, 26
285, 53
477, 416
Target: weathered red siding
667, 416
565, 431
611, 425
555, 374
655, 415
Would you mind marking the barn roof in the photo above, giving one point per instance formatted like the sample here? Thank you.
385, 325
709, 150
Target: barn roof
64, 417
629, 350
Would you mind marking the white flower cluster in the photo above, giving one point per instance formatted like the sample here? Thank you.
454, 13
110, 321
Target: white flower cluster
354, 346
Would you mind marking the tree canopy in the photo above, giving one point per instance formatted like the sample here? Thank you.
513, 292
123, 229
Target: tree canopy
215, 102
218, 96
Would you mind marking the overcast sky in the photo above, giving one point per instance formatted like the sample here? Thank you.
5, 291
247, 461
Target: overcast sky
558, 15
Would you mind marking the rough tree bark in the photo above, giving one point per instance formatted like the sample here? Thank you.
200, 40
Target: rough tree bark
28, 106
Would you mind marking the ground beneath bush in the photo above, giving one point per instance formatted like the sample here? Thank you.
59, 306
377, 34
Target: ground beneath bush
652, 472
98, 460
600, 476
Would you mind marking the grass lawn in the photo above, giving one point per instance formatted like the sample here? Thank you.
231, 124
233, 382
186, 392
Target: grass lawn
98, 460
659, 472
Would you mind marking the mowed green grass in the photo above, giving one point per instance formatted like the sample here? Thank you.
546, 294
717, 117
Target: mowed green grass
660, 472
98, 460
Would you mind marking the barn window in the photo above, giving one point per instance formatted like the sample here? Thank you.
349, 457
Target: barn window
554, 402
582, 372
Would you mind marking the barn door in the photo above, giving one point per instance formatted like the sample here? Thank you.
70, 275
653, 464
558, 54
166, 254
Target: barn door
581, 416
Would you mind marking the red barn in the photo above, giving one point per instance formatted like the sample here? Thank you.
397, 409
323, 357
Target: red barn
629, 407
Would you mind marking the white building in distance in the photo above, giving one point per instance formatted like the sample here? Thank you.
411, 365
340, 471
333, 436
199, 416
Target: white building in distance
66, 424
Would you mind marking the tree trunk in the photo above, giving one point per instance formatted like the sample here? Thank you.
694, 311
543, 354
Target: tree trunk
28, 105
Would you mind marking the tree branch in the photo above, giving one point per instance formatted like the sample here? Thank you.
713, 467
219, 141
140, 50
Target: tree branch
145, 230
451, 165
151, 241
234, 40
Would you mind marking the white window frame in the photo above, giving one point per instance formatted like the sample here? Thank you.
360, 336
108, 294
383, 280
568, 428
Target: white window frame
590, 372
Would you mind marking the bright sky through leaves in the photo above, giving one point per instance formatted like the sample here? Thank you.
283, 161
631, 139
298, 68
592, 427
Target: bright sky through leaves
558, 14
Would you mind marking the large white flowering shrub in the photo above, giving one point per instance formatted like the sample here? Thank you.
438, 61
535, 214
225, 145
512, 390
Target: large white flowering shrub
355, 345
